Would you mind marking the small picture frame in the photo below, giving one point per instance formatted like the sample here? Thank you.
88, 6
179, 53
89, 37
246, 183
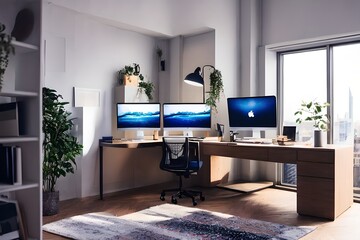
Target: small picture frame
11, 222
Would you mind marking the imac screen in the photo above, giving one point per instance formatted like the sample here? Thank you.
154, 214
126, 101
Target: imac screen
195, 116
138, 115
252, 112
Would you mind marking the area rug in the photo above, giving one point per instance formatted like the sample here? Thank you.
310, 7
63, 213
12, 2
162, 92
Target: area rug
169, 221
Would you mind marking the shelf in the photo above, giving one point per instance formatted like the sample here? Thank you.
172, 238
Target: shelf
18, 139
18, 94
21, 47
11, 188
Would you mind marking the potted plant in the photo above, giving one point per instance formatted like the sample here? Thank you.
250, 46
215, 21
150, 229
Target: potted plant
130, 74
216, 88
315, 112
59, 146
6, 48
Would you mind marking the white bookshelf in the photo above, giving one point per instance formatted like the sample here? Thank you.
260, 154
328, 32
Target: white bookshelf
22, 83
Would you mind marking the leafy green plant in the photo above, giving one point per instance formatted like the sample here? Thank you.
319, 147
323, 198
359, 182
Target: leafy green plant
6, 48
59, 146
316, 112
147, 87
216, 88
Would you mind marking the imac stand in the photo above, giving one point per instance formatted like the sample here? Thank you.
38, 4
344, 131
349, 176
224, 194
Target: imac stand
139, 135
187, 133
256, 133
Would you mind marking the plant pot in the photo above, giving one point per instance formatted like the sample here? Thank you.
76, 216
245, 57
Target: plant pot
319, 138
131, 80
50, 203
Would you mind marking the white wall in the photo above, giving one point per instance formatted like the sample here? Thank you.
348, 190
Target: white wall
92, 51
172, 19
198, 50
293, 20
90, 54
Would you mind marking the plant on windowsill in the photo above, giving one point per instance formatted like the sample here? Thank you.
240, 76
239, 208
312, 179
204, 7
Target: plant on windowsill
59, 145
315, 112
6, 48
216, 89
130, 75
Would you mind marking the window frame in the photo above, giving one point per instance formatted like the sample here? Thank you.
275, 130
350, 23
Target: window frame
328, 46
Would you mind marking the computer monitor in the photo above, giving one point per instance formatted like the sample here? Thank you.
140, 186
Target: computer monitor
252, 113
138, 117
186, 117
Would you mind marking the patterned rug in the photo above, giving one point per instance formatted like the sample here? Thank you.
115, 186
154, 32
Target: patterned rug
169, 221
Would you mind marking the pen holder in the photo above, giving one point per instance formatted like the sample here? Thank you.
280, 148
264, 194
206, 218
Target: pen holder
220, 130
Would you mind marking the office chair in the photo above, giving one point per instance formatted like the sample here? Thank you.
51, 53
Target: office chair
180, 159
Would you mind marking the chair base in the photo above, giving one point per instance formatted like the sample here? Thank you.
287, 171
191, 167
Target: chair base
180, 193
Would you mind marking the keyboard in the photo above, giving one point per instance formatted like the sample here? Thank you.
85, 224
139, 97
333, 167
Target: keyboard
254, 140
196, 138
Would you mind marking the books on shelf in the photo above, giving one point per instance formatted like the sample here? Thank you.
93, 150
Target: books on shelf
10, 165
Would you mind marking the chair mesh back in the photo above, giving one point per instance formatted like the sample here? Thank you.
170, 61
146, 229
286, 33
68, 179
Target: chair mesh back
175, 153
175, 150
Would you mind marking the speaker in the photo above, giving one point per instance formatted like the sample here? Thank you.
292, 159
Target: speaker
290, 132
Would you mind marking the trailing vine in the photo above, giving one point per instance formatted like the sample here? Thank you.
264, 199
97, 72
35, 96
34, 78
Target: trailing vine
216, 88
147, 87
6, 48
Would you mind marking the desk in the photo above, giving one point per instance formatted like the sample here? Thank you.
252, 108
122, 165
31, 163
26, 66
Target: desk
324, 175
120, 144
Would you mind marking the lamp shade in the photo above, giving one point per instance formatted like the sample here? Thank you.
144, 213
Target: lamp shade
195, 78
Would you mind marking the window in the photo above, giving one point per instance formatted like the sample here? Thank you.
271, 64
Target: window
332, 74
304, 79
346, 77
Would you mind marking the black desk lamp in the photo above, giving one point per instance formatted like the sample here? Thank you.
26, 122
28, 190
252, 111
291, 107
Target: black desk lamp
197, 79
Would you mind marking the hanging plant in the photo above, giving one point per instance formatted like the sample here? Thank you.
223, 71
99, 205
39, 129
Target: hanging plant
147, 87
6, 48
216, 89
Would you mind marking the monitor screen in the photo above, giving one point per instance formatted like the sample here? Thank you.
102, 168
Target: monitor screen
138, 116
182, 116
252, 112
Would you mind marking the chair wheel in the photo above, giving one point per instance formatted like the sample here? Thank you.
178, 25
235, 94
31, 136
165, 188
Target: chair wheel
173, 200
194, 203
202, 198
162, 198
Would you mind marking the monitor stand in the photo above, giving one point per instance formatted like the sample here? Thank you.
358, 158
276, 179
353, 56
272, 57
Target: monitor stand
133, 135
187, 133
256, 133
139, 135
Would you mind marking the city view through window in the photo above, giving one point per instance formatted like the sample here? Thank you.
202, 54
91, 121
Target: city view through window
305, 79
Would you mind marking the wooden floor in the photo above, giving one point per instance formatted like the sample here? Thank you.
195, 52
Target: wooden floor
274, 205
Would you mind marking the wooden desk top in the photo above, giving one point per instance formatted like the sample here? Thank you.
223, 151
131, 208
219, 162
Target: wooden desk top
130, 143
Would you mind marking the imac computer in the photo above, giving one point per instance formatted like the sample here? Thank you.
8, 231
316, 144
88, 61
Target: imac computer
186, 117
252, 113
138, 117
